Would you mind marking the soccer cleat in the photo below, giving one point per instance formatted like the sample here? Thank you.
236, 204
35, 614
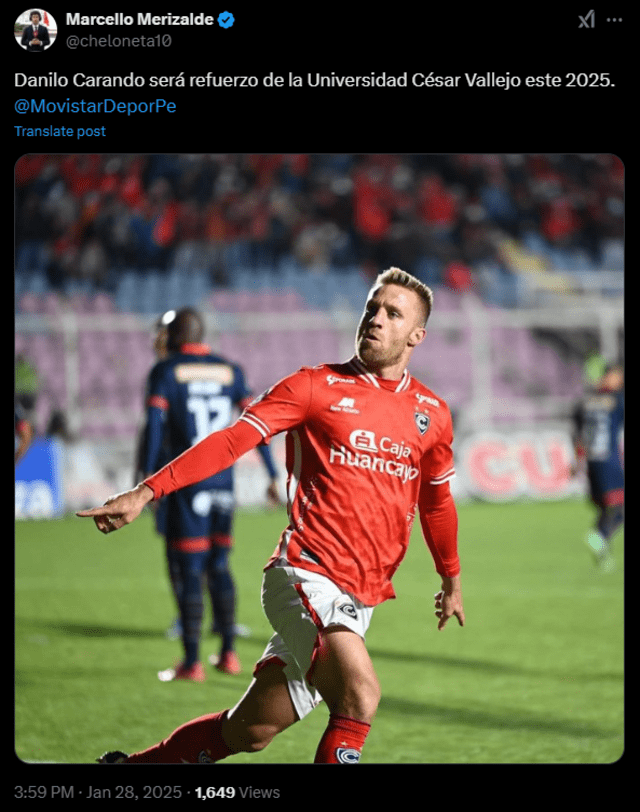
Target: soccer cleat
194, 673
227, 662
112, 757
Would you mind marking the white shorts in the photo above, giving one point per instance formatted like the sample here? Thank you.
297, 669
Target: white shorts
299, 604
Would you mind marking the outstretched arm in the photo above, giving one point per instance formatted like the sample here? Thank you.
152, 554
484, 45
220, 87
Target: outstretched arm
279, 408
215, 453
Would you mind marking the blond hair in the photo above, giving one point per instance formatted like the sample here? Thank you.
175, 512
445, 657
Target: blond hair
396, 276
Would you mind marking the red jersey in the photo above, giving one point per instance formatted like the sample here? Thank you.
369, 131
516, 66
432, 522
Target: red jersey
364, 455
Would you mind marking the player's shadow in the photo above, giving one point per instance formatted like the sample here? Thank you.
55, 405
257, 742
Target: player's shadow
507, 719
39, 630
429, 659
88, 630
489, 666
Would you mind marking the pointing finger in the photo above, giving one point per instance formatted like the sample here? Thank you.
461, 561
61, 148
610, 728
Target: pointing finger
99, 511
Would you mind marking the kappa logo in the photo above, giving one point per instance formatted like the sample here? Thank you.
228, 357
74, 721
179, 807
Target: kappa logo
423, 421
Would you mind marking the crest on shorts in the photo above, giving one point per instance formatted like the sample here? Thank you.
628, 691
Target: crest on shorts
423, 421
349, 609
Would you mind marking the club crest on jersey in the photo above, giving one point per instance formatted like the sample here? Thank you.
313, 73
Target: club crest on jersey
423, 421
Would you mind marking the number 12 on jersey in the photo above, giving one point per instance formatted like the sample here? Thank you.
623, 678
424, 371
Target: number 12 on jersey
210, 413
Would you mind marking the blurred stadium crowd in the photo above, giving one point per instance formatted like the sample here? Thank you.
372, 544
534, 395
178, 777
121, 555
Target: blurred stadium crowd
102, 238
82, 220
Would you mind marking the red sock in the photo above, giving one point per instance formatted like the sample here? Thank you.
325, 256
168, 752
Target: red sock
342, 741
196, 742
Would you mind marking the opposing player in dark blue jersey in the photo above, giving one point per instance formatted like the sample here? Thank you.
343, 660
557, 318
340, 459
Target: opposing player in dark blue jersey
191, 393
599, 423
216, 569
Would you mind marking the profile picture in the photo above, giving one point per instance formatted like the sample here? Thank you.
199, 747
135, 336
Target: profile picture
35, 30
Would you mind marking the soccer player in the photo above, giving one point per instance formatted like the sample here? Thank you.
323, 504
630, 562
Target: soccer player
368, 448
190, 393
218, 578
599, 421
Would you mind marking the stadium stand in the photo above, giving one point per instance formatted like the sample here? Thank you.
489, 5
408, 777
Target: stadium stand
104, 243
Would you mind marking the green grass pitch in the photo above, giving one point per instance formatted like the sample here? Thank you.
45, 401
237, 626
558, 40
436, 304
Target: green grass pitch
534, 677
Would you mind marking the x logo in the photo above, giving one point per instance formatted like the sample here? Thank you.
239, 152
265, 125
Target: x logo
584, 21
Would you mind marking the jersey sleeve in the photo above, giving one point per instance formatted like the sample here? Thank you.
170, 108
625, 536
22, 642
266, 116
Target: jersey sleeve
282, 407
243, 398
438, 464
215, 453
278, 409
436, 507
439, 520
